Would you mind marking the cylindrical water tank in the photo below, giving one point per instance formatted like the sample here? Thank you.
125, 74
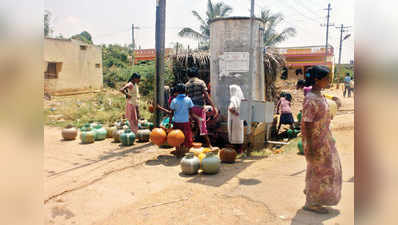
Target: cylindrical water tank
229, 52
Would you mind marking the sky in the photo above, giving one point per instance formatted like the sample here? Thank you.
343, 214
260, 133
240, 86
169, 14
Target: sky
109, 22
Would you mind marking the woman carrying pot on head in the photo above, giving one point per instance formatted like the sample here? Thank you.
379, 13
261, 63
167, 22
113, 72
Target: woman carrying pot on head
132, 100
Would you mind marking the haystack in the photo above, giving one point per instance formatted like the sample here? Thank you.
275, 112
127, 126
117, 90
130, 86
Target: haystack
181, 64
273, 63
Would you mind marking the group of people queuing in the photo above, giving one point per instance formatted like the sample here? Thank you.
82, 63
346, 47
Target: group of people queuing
188, 103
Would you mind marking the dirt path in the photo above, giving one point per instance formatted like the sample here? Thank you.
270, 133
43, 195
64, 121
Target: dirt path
105, 184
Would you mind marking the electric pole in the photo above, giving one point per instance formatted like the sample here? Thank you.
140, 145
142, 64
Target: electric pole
327, 32
160, 43
251, 65
132, 37
133, 40
342, 30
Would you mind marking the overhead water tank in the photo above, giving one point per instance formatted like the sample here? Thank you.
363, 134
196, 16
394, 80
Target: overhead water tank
229, 54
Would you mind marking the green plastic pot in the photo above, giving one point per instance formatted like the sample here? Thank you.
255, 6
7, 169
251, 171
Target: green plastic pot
100, 132
127, 137
291, 134
300, 147
87, 135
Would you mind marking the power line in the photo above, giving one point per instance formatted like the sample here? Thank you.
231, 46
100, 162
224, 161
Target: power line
288, 21
112, 34
304, 6
315, 20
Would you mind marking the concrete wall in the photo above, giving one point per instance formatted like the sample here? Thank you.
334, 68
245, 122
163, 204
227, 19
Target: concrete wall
231, 35
81, 69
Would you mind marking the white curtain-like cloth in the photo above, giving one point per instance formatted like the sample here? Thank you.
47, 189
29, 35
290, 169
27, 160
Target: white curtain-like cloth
235, 125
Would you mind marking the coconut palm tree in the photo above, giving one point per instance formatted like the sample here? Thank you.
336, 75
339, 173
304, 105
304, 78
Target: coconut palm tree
271, 36
217, 10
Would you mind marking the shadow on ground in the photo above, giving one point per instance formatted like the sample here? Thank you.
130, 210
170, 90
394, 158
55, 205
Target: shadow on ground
125, 151
303, 217
226, 173
165, 160
249, 181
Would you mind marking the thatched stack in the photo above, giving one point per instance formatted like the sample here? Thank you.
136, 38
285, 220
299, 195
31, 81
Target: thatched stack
181, 64
273, 63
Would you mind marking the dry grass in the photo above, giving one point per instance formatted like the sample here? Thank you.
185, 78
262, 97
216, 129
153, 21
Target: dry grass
105, 107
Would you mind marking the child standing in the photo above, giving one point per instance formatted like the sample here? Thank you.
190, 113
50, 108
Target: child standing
283, 108
181, 109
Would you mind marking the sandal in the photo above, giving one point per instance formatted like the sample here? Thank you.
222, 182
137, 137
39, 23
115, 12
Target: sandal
316, 209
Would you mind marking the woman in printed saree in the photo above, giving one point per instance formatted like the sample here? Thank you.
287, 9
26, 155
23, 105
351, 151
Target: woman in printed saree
323, 175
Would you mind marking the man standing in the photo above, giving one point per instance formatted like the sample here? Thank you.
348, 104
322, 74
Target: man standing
198, 92
347, 87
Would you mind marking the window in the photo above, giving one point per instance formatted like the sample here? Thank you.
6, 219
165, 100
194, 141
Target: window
83, 47
53, 68
97, 65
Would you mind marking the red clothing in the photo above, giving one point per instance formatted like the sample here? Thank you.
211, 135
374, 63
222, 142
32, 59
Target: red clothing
186, 129
171, 99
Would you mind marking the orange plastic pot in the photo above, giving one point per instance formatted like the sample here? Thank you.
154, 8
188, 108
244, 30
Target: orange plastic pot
158, 136
175, 138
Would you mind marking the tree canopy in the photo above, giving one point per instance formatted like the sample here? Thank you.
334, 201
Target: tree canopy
83, 36
48, 30
216, 10
271, 36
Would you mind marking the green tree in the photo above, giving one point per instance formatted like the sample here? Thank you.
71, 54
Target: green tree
83, 36
217, 10
117, 69
48, 30
271, 36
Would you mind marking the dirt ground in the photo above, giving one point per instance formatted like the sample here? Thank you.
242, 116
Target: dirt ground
106, 184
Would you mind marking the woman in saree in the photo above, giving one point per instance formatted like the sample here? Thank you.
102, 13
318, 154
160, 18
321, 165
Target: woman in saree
323, 175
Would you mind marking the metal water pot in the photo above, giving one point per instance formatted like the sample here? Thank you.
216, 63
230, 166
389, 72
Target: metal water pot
190, 164
211, 163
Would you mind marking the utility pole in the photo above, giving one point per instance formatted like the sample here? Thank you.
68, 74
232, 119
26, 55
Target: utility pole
327, 32
160, 43
342, 30
251, 65
132, 37
133, 40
